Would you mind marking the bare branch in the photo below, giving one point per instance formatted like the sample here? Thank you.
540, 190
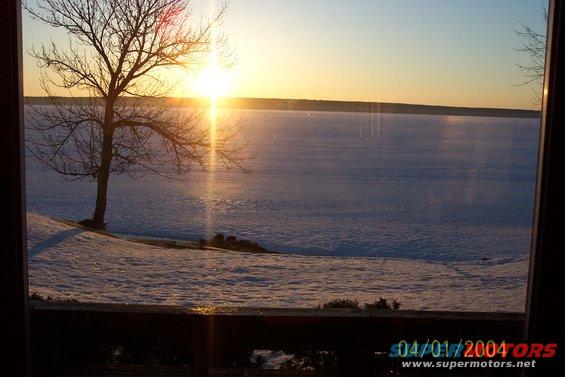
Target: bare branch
121, 54
533, 45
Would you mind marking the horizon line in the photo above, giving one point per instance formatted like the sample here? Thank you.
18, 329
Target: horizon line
305, 101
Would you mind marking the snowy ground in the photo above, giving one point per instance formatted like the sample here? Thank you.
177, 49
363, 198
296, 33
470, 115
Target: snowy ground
70, 262
420, 187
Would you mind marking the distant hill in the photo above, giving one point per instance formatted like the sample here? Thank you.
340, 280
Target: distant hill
323, 105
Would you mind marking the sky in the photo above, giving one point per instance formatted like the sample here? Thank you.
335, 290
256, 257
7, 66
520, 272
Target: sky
437, 52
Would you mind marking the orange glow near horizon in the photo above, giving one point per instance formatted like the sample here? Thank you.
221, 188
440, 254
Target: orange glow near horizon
293, 49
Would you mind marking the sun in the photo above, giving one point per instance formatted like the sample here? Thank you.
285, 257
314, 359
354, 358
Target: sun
213, 82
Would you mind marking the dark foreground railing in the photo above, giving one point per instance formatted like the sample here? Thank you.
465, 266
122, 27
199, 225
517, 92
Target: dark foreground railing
66, 334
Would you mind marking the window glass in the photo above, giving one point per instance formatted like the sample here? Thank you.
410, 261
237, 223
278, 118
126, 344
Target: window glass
283, 153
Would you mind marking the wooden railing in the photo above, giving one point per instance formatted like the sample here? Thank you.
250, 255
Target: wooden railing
206, 333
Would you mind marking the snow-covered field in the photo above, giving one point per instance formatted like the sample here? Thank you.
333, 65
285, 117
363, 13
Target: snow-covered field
423, 187
69, 262
434, 211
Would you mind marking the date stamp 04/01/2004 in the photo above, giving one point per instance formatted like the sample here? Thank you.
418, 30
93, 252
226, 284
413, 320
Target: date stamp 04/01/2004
433, 348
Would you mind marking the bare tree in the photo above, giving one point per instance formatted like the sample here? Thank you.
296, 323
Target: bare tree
120, 55
533, 45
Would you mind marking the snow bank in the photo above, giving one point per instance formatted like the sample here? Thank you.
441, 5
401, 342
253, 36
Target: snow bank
70, 262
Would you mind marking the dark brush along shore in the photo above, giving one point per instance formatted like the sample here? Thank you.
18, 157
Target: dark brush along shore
282, 104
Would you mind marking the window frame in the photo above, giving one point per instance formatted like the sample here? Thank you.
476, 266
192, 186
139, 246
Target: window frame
544, 309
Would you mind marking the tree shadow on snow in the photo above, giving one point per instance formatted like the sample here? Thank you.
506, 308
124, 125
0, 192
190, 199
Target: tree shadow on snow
53, 241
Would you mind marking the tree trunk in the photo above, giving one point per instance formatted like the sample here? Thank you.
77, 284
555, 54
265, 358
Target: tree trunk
104, 170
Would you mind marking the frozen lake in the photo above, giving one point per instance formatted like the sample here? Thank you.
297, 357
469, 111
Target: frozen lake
421, 187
